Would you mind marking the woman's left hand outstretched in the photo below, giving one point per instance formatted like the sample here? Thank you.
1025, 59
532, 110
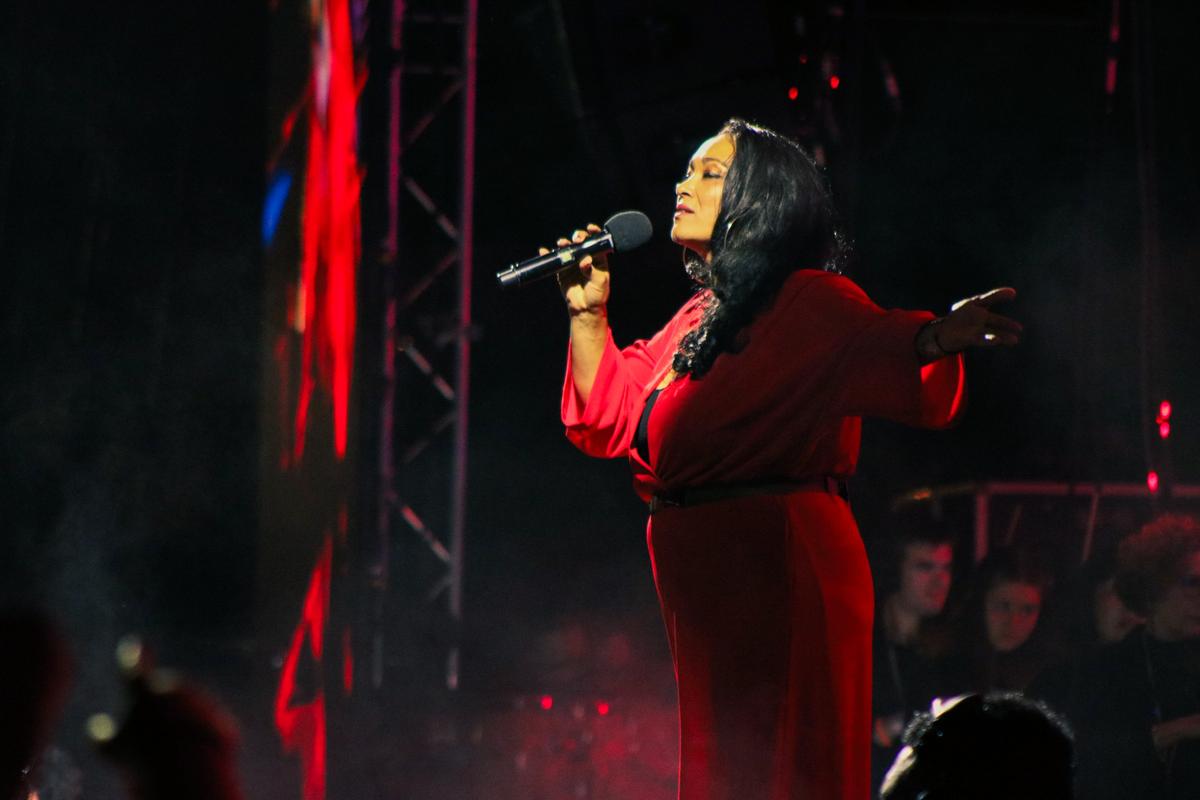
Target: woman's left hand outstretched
972, 323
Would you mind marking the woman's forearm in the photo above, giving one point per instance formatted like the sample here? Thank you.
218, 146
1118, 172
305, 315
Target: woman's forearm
589, 336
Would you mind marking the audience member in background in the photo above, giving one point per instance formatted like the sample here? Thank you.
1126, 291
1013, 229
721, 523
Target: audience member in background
983, 747
1112, 620
1091, 616
175, 743
998, 643
1137, 708
914, 574
34, 678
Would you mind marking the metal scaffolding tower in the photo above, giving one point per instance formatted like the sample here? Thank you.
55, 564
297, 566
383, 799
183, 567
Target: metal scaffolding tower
426, 328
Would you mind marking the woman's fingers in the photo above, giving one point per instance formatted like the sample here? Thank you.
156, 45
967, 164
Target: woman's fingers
971, 324
997, 323
992, 339
1001, 295
582, 270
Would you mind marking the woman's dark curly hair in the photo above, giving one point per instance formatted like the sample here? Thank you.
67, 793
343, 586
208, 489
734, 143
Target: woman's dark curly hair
776, 217
1151, 560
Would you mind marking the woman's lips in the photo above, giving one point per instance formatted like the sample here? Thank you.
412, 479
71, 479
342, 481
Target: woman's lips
681, 210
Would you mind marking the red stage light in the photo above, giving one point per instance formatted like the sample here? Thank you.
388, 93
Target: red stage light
834, 81
602, 708
547, 702
1164, 410
1152, 481
1164, 429
793, 93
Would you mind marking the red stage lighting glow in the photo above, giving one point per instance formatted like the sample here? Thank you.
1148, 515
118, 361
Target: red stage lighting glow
1164, 410
1164, 429
1152, 481
301, 725
547, 702
330, 243
793, 93
602, 708
834, 81
322, 313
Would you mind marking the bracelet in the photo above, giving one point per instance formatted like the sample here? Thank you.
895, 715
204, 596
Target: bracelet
929, 349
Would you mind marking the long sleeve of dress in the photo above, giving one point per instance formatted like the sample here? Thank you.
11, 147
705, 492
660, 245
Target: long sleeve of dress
878, 374
604, 425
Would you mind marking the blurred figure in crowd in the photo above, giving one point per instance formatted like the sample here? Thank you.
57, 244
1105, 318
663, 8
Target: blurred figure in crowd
998, 643
1091, 616
175, 743
984, 747
1137, 705
914, 574
1112, 620
34, 678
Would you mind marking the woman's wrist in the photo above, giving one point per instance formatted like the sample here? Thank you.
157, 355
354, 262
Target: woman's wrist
595, 314
929, 348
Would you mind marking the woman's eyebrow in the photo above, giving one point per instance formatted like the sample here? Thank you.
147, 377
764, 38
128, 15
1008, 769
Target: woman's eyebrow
719, 161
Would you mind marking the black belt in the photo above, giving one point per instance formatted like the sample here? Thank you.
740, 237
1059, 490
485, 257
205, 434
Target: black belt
683, 498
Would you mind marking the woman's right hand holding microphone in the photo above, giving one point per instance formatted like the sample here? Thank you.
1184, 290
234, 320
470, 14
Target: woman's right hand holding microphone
584, 286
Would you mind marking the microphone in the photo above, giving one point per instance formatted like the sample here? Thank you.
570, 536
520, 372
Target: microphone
623, 232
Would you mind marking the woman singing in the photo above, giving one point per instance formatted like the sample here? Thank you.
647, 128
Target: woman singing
741, 420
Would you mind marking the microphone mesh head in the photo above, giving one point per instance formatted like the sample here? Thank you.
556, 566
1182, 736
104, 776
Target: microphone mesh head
629, 229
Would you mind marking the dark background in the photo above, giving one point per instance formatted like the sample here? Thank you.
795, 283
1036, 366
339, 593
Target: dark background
132, 151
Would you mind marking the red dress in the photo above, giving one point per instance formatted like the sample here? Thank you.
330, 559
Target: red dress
767, 598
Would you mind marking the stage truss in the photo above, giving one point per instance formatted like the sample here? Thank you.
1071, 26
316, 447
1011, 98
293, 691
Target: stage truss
426, 259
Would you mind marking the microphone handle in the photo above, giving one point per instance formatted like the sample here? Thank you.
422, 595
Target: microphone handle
554, 262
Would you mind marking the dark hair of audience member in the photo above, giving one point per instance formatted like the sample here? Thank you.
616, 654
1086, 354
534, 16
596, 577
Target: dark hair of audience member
1154, 559
176, 743
997, 746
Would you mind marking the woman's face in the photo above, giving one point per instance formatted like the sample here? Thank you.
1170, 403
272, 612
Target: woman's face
698, 195
1112, 618
1011, 612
